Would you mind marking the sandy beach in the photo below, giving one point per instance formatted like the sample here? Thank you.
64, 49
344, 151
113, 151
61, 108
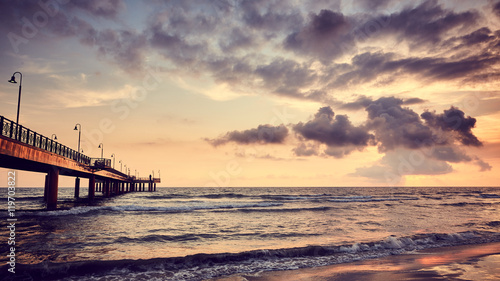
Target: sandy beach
471, 262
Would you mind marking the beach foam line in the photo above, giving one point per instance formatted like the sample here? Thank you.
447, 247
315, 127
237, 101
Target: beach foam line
205, 266
370, 199
138, 208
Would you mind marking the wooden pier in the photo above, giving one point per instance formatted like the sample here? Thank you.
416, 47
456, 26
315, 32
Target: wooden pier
24, 149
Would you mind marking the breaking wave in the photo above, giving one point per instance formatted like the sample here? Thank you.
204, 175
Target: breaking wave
204, 266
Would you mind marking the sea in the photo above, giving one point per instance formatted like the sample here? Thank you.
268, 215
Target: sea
193, 233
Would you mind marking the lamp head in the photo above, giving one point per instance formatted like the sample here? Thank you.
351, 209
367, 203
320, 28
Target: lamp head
55, 137
13, 79
76, 128
99, 146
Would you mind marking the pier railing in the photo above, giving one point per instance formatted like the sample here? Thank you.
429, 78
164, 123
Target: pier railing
146, 179
102, 163
11, 130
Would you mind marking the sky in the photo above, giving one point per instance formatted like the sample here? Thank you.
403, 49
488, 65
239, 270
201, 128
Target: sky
262, 93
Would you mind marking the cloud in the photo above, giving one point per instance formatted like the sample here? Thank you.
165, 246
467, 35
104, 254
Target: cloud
496, 9
100, 8
411, 144
325, 36
263, 134
454, 120
396, 164
427, 23
334, 131
396, 126
305, 149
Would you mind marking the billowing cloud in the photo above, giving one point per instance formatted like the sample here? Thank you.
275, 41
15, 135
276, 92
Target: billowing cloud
326, 36
263, 134
396, 126
335, 131
454, 120
412, 144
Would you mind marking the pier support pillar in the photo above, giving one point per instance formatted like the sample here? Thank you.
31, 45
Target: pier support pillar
106, 188
46, 188
77, 187
154, 186
91, 187
53, 185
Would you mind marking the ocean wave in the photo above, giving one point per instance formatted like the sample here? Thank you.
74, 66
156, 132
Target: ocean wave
489, 195
137, 208
204, 266
370, 199
285, 210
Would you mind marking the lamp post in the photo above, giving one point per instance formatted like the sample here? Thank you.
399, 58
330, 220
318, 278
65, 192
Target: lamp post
54, 137
121, 165
101, 146
13, 80
113, 156
159, 176
153, 174
78, 128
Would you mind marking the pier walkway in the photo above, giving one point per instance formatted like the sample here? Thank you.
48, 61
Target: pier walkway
27, 150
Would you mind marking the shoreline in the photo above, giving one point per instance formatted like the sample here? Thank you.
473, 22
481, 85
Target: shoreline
471, 262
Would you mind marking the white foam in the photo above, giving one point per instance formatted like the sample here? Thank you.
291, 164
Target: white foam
138, 208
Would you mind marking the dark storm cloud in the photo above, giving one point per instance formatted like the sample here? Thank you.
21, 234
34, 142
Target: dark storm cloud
333, 130
454, 120
263, 134
396, 126
496, 9
368, 67
427, 23
482, 35
326, 36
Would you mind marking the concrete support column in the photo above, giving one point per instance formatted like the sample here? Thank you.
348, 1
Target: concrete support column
53, 185
77, 187
46, 189
91, 187
154, 186
106, 188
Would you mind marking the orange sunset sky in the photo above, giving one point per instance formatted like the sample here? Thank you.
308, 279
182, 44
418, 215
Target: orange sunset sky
263, 93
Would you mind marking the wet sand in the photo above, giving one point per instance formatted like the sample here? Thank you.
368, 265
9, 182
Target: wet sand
471, 262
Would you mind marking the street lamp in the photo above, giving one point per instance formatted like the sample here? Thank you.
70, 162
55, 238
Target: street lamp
13, 80
121, 165
101, 146
78, 128
54, 137
113, 156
